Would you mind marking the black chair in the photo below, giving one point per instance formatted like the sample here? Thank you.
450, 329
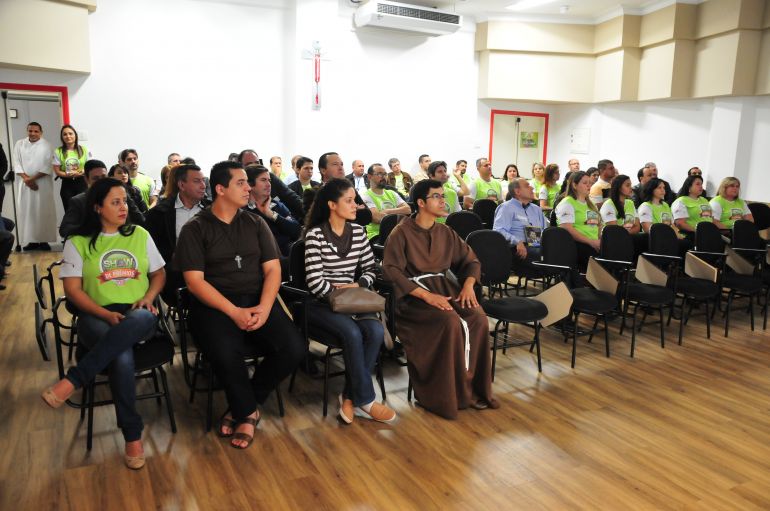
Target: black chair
298, 296
617, 254
45, 293
200, 366
664, 251
485, 208
761, 213
149, 358
710, 246
560, 255
494, 253
387, 224
464, 222
747, 242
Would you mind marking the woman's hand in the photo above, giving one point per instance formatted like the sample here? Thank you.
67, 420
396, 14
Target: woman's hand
438, 301
113, 318
467, 297
343, 286
596, 244
145, 303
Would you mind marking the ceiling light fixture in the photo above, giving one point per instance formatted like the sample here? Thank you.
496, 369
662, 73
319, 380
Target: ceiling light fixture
523, 5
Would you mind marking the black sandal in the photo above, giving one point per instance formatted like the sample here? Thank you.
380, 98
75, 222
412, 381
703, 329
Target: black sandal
225, 422
243, 436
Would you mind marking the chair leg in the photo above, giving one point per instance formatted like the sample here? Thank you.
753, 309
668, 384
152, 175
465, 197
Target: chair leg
83, 401
494, 349
683, 319
155, 386
751, 311
623, 318
606, 337
380, 377
662, 338
409, 390
727, 312
708, 320
167, 394
279, 398
574, 340
537, 345
326, 380
210, 399
90, 427
291, 381
593, 329
633, 331
764, 321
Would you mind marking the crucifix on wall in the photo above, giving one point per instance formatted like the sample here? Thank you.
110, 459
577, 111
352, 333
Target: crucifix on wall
316, 55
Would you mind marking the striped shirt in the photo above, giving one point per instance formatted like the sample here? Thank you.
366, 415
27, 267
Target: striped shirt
324, 267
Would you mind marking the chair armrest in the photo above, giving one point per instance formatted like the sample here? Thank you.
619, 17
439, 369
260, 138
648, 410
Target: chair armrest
756, 250
703, 252
559, 266
613, 261
302, 293
650, 254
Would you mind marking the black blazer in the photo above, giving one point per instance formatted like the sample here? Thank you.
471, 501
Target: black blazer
296, 187
76, 213
350, 178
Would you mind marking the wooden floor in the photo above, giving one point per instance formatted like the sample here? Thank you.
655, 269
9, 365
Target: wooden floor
685, 427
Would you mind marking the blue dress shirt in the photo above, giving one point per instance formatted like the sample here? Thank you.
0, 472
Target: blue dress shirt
511, 218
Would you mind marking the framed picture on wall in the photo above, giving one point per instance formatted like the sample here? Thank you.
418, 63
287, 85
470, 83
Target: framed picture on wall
528, 139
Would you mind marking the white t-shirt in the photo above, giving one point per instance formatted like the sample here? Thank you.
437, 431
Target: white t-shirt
565, 212
609, 213
72, 264
679, 210
645, 213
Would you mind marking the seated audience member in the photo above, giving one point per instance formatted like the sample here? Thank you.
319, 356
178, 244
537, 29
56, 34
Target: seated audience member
654, 209
578, 215
694, 171
115, 306
166, 219
511, 173
303, 166
620, 210
444, 331
600, 190
727, 206
653, 172
483, 187
593, 175
129, 160
538, 176
359, 178
514, 216
690, 209
230, 263
380, 201
643, 175
93, 171
286, 230
276, 168
134, 195
331, 167
551, 187
573, 165
336, 251
457, 179
398, 178
422, 168
277, 188
437, 170
6, 245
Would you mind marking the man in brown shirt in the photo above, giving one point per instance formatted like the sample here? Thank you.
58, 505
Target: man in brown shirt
230, 265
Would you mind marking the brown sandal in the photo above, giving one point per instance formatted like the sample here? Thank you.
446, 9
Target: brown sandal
243, 436
226, 422
51, 399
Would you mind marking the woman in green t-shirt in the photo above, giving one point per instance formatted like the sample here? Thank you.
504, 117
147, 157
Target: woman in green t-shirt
538, 176
727, 206
579, 216
690, 209
550, 189
112, 272
68, 162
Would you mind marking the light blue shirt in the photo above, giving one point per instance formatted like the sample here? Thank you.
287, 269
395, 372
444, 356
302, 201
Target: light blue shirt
511, 218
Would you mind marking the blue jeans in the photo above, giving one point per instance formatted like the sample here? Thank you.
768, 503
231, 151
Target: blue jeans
112, 348
361, 342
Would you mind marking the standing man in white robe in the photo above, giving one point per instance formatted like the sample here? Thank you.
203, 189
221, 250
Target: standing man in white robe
37, 213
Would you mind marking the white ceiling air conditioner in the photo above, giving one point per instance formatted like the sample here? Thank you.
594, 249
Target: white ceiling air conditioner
411, 18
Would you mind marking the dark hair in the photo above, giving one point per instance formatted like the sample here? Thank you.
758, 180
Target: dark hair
63, 147
168, 158
574, 179
221, 175
603, 164
274, 157
117, 166
243, 153
179, 173
650, 187
370, 170
434, 166
91, 226
691, 168
331, 191
564, 183
125, 152
35, 123
323, 158
465, 162
93, 164
550, 173
640, 173
420, 189
253, 172
592, 170
685, 189
187, 161
505, 173
615, 186
422, 157
301, 161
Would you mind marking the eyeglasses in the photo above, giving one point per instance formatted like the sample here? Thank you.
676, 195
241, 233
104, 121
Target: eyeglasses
436, 196
380, 174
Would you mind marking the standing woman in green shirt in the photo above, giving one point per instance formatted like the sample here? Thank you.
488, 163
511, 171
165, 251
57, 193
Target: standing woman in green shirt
112, 272
579, 216
68, 162
690, 209
727, 207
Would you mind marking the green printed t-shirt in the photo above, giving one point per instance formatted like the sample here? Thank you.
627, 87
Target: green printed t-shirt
586, 219
450, 197
388, 200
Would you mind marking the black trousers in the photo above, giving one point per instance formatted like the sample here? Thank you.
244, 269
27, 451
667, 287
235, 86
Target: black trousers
226, 347
584, 252
70, 188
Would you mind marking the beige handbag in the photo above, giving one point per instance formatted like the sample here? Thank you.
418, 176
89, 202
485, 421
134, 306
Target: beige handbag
356, 300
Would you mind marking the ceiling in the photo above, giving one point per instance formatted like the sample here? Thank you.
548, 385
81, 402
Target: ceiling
585, 11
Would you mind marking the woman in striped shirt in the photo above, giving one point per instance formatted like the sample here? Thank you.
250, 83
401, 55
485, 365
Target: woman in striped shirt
336, 251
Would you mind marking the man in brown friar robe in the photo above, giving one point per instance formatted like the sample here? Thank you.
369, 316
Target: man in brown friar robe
444, 331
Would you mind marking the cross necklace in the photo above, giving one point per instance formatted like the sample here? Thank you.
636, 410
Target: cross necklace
236, 246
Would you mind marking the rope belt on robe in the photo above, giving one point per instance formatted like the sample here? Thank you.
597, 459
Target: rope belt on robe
417, 280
